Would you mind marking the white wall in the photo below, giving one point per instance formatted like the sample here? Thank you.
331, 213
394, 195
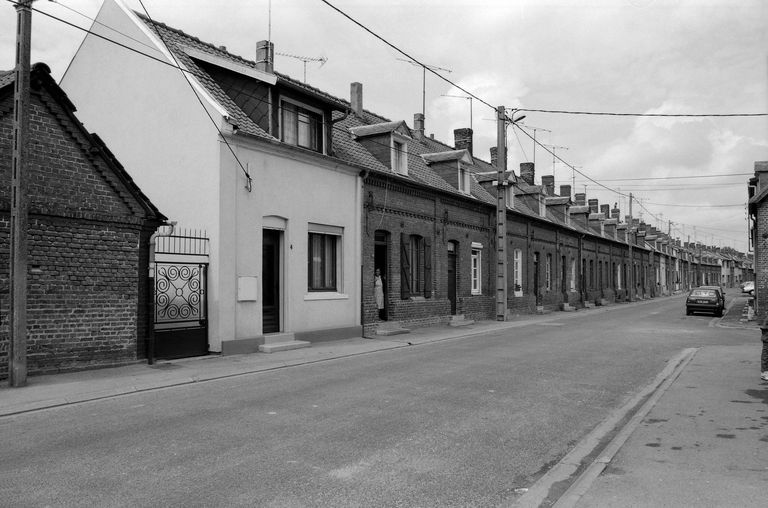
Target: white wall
149, 117
298, 189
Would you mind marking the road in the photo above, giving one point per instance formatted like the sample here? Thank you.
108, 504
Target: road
463, 422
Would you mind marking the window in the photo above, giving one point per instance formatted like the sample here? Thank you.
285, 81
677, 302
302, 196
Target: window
463, 179
323, 267
517, 272
573, 275
476, 268
591, 273
415, 267
399, 157
618, 275
301, 126
548, 273
564, 273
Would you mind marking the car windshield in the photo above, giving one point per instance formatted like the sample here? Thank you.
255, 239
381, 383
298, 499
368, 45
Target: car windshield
703, 292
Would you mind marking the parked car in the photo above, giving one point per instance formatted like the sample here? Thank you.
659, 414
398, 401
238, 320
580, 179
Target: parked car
748, 287
705, 299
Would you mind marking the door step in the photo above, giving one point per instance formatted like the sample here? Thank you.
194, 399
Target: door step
275, 342
460, 320
388, 328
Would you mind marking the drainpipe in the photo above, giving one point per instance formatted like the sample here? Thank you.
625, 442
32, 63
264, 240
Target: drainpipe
151, 299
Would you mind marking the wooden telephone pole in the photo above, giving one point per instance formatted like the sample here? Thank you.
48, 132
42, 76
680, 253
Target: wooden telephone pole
17, 354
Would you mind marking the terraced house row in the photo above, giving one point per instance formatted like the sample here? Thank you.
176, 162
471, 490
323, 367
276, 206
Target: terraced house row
324, 220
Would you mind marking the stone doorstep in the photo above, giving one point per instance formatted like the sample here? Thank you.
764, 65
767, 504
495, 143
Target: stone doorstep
566, 307
387, 328
281, 342
460, 320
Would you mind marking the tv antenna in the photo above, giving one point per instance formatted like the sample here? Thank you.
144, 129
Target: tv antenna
305, 59
424, 68
469, 97
534, 129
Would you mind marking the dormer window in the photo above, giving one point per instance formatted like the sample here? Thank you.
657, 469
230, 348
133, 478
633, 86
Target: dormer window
464, 184
301, 125
399, 156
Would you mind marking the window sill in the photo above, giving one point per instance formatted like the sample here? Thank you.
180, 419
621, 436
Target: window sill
325, 296
477, 293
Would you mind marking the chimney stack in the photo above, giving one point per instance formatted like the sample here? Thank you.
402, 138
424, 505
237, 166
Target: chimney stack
418, 125
565, 191
616, 214
265, 56
463, 139
356, 98
593, 204
606, 210
581, 198
548, 181
494, 156
527, 172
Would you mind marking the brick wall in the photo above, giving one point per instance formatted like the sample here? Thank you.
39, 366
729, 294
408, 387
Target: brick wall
87, 254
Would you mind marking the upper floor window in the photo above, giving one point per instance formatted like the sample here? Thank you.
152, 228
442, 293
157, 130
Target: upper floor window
399, 156
463, 179
301, 126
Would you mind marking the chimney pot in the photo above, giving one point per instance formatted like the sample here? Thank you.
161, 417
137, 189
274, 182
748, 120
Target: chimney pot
418, 125
356, 98
527, 172
265, 56
462, 139
548, 181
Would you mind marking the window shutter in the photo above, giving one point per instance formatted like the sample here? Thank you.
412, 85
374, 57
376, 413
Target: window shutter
405, 268
427, 269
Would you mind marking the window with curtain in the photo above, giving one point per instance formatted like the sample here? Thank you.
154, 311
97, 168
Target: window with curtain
301, 126
323, 262
517, 272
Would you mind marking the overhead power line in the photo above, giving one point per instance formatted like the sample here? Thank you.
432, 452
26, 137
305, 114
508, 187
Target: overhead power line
658, 115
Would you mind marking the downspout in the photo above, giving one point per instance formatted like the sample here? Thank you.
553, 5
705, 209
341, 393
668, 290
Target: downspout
151, 299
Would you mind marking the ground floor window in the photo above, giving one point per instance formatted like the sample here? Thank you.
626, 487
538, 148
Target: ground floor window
517, 272
548, 272
415, 266
323, 261
476, 268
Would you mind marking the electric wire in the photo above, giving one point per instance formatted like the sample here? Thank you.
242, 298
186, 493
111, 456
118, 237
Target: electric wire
186, 71
658, 115
200, 101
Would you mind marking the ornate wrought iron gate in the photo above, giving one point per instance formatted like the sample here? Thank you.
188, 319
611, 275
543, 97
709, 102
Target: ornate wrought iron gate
180, 303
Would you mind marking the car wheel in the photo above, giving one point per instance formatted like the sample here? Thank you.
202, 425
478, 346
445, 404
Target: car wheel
688, 312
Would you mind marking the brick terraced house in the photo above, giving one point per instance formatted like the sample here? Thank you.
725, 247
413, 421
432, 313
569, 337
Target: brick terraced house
339, 192
89, 228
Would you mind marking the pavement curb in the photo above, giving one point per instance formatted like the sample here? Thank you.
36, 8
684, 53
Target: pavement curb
573, 464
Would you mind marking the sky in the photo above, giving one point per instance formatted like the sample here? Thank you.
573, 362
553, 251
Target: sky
688, 175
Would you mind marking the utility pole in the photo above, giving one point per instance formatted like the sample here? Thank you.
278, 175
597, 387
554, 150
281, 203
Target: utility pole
631, 258
17, 354
501, 214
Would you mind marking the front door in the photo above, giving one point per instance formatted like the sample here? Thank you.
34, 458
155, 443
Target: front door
270, 276
452, 276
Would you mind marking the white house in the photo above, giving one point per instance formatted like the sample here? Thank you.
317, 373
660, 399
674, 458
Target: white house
228, 146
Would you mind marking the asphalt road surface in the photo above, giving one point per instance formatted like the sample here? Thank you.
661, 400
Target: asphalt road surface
463, 422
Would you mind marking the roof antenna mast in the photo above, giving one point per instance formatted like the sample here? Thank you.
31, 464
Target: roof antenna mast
306, 59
